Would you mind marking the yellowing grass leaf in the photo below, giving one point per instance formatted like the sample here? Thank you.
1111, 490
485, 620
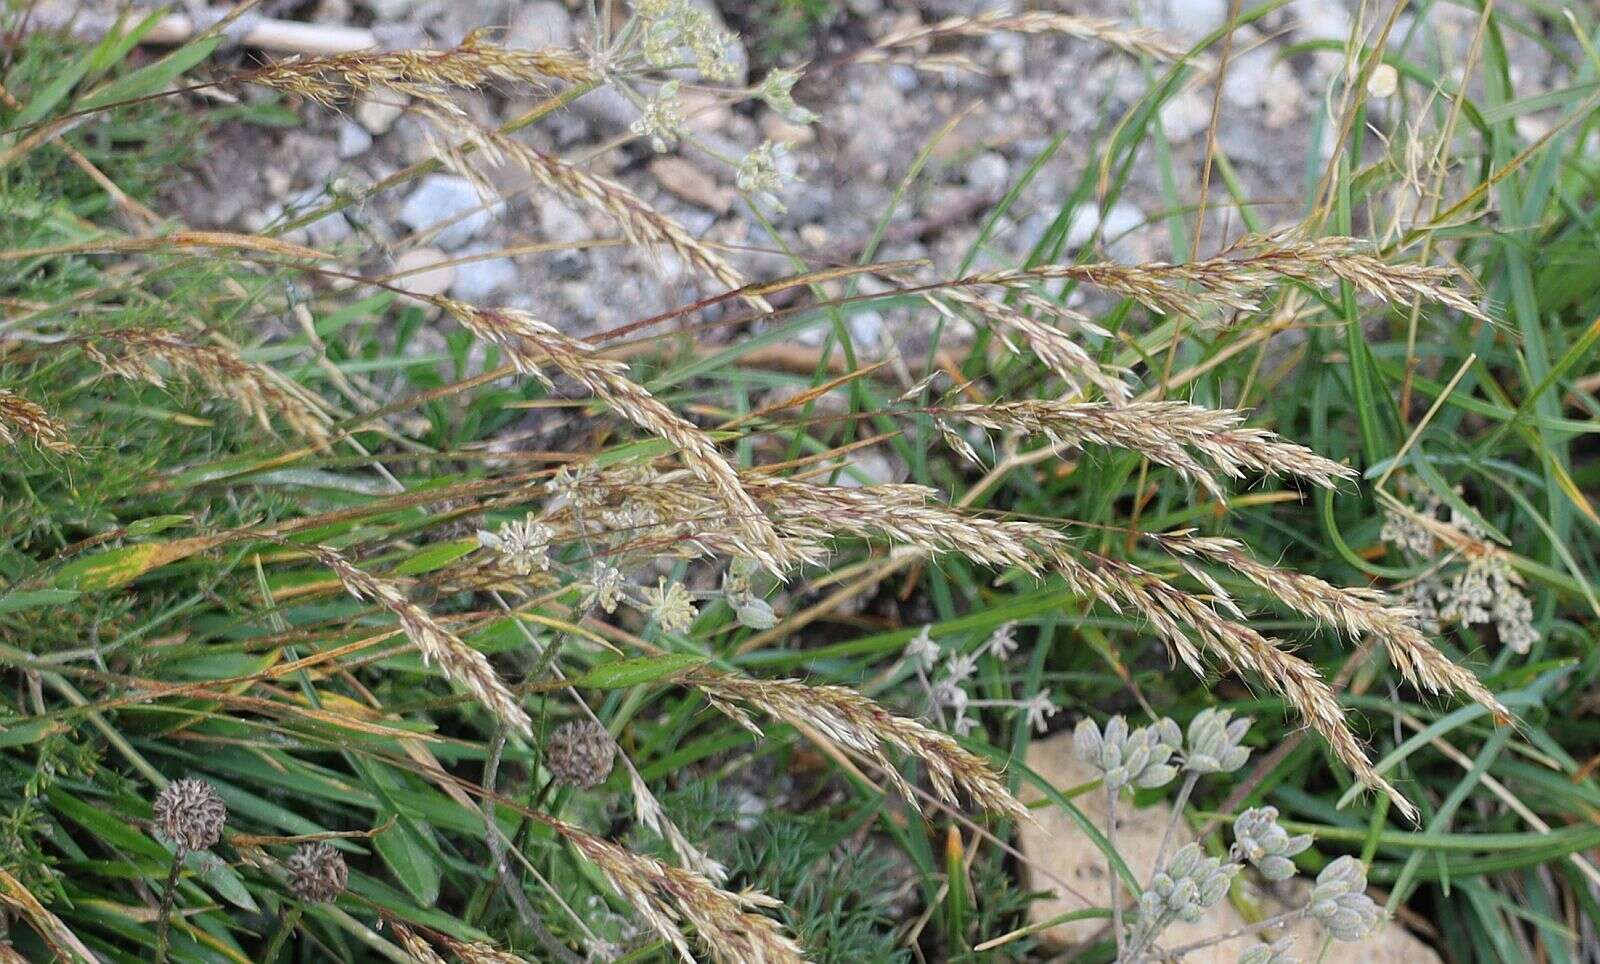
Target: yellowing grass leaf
116, 567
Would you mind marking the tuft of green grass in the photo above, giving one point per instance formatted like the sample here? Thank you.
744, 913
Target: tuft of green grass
159, 621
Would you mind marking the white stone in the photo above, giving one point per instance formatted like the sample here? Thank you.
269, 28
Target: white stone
1189, 19
378, 113
353, 140
425, 280
448, 203
542, 23
1086, 220
1184, 115
988, 174
480, 282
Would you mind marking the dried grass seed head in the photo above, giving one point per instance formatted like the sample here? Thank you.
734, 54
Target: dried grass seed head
191, 814
580, 754
317, 872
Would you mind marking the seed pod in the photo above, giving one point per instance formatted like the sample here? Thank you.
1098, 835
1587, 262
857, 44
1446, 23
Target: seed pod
580, 754
189, 813
317, 873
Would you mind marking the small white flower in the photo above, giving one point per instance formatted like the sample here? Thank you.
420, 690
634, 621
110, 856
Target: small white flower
960, 666
575, 487
1038, 707
777, 92
759, 175
603, 588
1002, 643
948, 694
524, 546
662, 118
922, 650
671, 607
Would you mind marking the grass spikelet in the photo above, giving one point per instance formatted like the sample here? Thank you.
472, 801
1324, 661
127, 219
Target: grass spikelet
640, 223
730, 925
1174, 613
1357, 611
863, 726
336, 79
20, 418
1236, 279
420, 951
1133, 40
525, 339
1059, 352
1176, 434
134, 354
437, 644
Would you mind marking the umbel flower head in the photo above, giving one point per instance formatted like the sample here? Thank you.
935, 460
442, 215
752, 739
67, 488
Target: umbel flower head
317, 872
1278, 952
1214, 743
1258, 838
1189, 884
1340, 903
580, 754
189, 813
1137, 759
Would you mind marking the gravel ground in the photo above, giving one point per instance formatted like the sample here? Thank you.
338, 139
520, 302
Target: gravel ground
874, 118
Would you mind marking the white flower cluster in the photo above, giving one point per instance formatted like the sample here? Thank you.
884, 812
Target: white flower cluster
524, 545
1258, 838
1484, 590
661, 118
1182, 890
1136, 758
673, 27
947, 691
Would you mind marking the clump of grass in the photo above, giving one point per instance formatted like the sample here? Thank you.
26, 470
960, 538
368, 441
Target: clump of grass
439, 680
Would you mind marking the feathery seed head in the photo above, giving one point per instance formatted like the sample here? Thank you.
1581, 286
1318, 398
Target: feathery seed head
190, 814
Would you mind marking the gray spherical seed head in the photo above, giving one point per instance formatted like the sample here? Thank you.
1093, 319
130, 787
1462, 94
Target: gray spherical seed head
317, 873
580, 754
190, 814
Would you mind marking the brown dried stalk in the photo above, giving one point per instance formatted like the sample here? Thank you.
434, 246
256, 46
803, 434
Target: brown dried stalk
1060, 353
133, 353
20, 418
860, 725
640, 223
1236, 279
426, 74
729, 925
437, 644
531, 345
1171, 433
1134, 40
1357, 611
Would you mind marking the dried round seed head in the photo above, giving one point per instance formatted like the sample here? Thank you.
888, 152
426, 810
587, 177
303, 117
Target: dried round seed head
189, 813
580, 754
317, 873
